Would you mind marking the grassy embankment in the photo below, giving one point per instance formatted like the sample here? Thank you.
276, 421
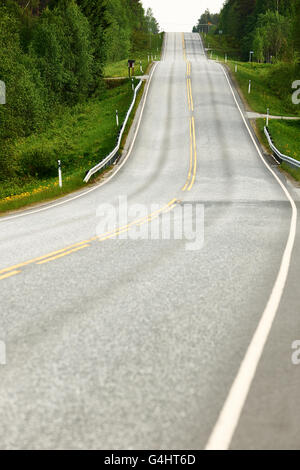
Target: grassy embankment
80, 137
271, 87
286, 136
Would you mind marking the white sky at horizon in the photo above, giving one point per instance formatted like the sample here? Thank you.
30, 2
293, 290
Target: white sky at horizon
180, 15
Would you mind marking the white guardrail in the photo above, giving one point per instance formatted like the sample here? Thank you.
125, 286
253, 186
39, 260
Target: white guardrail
280, 156
109, 160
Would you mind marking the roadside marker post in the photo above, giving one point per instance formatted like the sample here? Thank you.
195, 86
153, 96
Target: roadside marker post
225, 58
59, 173
117, 118
2, 93
235, 68
268, 113
132, 84
249, 87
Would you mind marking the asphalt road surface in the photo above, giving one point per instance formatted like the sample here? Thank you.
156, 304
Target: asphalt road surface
138, 344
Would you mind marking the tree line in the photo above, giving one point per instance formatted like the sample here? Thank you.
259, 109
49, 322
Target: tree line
52, 54
270, 28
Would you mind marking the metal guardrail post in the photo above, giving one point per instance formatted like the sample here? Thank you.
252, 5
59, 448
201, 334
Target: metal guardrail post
280, 156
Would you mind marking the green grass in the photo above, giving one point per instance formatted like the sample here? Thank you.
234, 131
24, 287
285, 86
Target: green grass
286, 137
81, 137
271, 84
120, 68
50, 191
264, 92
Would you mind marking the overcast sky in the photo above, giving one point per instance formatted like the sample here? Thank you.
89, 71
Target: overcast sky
180, 15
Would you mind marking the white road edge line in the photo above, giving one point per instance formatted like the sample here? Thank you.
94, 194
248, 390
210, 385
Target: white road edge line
23, 214
224, 429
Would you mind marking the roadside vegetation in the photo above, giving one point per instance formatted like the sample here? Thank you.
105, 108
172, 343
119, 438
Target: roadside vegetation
80, 137
153, 52
285, 135
271, 84
262, 39
54, 55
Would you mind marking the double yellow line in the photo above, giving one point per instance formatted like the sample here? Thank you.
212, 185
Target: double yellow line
189, 86
190, 94
148, 218
54, 255
193, 158
188, 68
193, 149
12, 270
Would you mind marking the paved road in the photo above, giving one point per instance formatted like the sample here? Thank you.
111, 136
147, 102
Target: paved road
129, 344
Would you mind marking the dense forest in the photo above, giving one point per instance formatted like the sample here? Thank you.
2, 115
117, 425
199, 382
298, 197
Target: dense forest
271, 28
52, 55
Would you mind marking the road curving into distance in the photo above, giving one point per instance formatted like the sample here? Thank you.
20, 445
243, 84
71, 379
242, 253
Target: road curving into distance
122, 343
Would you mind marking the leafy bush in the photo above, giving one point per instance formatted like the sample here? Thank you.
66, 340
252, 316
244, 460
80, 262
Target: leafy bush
40, 162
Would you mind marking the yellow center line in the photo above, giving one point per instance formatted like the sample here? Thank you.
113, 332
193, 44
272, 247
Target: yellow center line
188, 93
62, 254
191, 94
195, 155
34, 260
153, 217
191, 159
13, 273
140, 221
